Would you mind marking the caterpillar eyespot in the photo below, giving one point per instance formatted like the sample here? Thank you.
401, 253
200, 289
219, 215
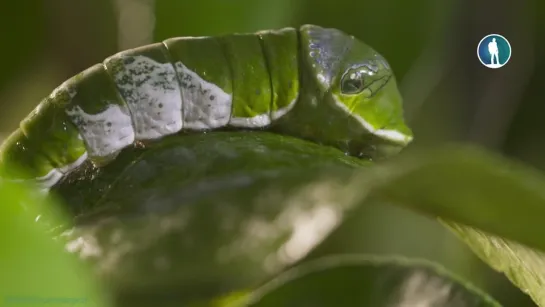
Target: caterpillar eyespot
313, 83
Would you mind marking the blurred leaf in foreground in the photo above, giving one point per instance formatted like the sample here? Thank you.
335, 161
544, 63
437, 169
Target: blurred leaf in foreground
35, 269
365, 281
467, 185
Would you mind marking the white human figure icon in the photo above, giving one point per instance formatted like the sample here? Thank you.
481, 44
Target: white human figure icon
493, 49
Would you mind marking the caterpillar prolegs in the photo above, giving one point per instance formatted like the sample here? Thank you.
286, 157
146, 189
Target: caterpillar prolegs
314, 83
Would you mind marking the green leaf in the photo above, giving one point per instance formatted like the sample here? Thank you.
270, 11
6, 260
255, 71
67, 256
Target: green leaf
35, 269
195, 216
524, 266
367, 281
202, 215
470, 186
502, 199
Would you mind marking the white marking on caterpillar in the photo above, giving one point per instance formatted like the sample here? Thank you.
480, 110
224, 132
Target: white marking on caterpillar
104, 133
283, 111
50, 179
392, 135
153, 96
251, 122
205, 105
67, 168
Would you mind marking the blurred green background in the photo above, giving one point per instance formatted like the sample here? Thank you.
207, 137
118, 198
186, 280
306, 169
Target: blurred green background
431, 45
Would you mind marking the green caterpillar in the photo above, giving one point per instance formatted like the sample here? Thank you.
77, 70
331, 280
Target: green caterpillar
314, 83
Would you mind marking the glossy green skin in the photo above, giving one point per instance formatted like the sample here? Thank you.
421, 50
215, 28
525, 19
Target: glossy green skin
313, 83
334, 54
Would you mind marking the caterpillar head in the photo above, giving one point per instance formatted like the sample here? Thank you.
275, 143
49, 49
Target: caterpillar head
355, 83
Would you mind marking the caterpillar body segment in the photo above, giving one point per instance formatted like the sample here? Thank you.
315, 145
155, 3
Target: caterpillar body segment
99, 113
280, 50
36, 167
53, 134
147, 81
251, 81
314, 83
205, 79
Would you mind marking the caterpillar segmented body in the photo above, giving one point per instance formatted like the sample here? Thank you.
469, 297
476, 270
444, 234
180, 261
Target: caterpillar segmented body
315, 83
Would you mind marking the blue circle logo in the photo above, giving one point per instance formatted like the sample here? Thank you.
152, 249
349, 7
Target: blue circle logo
494, 51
